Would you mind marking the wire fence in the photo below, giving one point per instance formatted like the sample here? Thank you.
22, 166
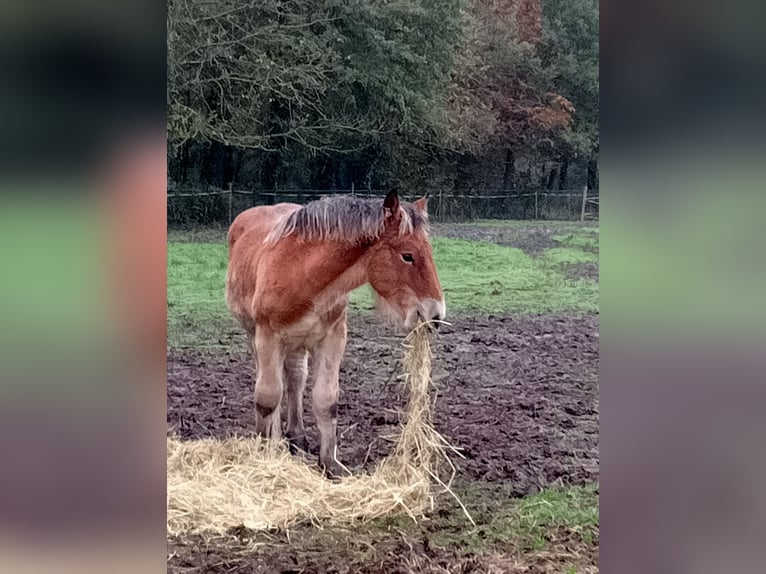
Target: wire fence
190, 207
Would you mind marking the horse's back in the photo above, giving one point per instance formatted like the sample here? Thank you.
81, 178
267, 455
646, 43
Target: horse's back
246, 242
259, 220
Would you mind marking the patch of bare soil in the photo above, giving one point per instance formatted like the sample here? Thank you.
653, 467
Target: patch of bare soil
533, 238
344, 552
578, 271
518, 396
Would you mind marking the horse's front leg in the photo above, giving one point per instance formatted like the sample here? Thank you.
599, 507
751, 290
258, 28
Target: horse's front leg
327, 359
270, 357
296, 373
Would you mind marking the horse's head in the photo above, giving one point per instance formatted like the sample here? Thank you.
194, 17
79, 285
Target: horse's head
401, 268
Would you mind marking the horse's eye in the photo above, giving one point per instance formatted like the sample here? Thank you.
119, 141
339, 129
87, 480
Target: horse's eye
408, 258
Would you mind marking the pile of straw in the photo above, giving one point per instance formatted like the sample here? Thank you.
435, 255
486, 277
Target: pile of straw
216, 485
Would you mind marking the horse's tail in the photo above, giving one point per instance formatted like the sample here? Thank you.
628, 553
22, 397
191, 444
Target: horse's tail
236, 230
234, 233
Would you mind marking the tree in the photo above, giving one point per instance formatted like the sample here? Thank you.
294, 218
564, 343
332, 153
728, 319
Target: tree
512, 98
423, 93
569, 54
248, 73
325, 75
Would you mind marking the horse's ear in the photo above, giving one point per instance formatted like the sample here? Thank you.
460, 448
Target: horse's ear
422, 204
391, 203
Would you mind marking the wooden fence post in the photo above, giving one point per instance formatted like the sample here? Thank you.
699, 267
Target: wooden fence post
231, 196
536, 191
584, 201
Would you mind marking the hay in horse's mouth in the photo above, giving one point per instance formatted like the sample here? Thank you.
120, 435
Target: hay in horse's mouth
214, 486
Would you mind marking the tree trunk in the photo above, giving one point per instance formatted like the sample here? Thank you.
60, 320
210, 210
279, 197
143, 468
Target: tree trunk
509, 172
551, 178
209, 164
236, 164
184, 175
564, 172
269, 175
593, 174
218, 165
323, 175
463, 177
227, 171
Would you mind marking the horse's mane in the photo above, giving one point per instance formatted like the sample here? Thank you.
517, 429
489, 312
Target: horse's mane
345, 218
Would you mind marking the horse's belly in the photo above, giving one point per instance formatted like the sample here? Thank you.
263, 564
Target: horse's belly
309, 330
307, 333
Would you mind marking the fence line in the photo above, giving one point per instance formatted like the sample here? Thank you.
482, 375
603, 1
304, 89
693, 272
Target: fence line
192, 206
374, 193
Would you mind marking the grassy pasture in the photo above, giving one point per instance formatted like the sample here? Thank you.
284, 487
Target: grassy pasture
477, 277
555, 530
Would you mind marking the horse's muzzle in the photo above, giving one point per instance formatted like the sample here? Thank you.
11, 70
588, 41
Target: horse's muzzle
429, 310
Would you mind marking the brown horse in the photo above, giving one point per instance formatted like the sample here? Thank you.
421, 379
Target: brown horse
291, 270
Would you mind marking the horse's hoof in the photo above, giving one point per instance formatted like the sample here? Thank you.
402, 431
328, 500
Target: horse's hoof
298, 444
334, 470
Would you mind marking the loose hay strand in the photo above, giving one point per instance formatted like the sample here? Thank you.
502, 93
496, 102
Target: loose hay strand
214, 485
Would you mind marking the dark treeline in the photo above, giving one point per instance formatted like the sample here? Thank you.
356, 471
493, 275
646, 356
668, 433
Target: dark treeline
424, 94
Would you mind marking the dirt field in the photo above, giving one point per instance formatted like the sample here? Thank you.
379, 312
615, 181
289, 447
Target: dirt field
335, 551
531, 237
517, 394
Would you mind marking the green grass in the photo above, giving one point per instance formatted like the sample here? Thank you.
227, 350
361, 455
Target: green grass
503, 524
201, 235
484, 277
568, 256
477, 277
197, 312
574, 509
583, 238
528, 522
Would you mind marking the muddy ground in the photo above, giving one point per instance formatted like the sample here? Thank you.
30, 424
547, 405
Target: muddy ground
518, 396
531, 237
337, 551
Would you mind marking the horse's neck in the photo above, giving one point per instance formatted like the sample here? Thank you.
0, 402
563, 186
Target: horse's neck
345, 269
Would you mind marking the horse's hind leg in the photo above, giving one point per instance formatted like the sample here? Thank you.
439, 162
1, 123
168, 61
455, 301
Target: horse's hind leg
328, 356
268, 384
296, 372
250, 331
